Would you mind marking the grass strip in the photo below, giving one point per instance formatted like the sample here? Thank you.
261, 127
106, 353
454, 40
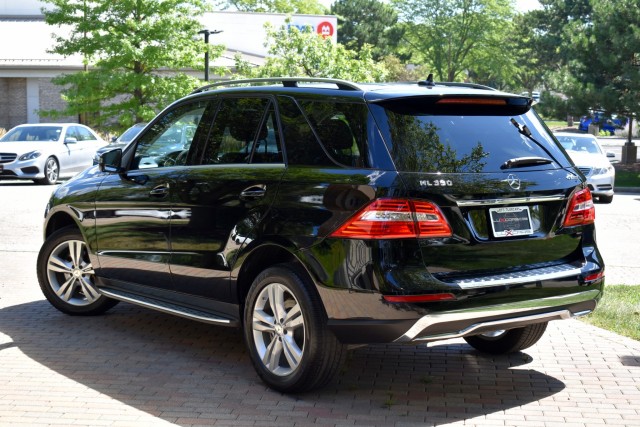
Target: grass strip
618, 311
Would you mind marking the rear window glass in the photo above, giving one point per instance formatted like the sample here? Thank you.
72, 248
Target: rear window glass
424, 137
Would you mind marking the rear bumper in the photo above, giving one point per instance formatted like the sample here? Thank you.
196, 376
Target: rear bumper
504, 316
445, 325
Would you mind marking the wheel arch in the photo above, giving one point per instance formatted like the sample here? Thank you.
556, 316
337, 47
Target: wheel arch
58, 221
260, 259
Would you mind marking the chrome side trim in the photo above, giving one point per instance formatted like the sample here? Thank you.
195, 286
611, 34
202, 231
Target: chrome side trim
511, 278
509, 201
514, 315
165, 307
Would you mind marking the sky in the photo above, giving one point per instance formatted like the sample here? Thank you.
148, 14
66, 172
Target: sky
526, 5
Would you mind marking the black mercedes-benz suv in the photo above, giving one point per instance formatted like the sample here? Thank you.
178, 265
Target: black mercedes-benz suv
317, 214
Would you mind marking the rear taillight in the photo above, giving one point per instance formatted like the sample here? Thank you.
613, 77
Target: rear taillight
581, 209
396, 219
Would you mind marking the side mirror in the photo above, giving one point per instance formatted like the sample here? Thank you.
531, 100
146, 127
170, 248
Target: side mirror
610, 154
70, 140
111, 161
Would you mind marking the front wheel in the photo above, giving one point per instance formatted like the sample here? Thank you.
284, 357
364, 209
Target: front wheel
513, 340
285, 329
51, 172
66, 275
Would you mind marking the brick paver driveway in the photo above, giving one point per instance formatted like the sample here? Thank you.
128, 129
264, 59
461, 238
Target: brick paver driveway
136, 367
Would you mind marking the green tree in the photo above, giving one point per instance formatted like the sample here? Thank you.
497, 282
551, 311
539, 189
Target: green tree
606, 57
308, 7
370, 22
448, 35
134, 53
295, 53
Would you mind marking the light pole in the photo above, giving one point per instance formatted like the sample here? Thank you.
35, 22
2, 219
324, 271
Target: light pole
206, 52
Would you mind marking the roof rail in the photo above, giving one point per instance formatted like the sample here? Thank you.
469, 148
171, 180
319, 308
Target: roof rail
286, 82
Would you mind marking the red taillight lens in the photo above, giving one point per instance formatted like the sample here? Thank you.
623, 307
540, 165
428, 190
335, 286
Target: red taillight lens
581, 209
396, 219
419, 298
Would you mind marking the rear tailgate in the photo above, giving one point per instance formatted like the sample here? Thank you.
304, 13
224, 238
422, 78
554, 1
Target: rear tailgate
501, 235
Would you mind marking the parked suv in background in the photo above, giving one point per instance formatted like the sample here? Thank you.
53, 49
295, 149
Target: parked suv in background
318, 214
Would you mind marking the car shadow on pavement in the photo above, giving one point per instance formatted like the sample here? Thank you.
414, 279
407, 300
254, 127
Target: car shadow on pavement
174, 369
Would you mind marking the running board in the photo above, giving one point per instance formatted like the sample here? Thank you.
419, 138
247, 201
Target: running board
166, 307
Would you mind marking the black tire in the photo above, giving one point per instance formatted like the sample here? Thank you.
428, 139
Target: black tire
513, 340
295, 351
605, 199
66, 277
51, 172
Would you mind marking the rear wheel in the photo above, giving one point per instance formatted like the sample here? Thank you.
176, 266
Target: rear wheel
513, 340
285, 329
66, 275
605, 199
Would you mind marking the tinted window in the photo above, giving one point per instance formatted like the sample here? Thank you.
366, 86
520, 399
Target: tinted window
302, 146
342, 128
242, 127
426, 138
168, 141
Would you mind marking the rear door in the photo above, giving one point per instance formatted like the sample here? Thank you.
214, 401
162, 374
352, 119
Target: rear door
220, 201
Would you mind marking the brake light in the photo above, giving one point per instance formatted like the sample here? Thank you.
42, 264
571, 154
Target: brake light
472, 101
581, 209
396, 219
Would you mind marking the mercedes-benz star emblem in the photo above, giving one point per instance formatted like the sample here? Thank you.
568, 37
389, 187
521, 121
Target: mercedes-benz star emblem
513, 181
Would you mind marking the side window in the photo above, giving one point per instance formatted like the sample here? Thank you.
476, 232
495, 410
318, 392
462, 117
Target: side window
267, 145
244, 131
342, 128
301, 144
168, 141
72, 132
84, 134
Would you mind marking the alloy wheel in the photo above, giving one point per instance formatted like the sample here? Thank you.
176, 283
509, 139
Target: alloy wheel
278, 329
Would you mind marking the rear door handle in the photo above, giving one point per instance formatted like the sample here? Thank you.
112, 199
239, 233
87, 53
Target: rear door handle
253, 193
160, 191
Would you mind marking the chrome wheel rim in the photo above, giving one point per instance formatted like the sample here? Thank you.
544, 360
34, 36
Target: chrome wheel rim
278, 329
51, 170
71, 274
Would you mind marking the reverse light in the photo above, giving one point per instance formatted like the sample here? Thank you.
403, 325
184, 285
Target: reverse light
396, 219
581, 210
30, 155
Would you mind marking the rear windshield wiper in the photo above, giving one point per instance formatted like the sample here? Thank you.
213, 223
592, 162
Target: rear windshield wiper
520, 162
524, 130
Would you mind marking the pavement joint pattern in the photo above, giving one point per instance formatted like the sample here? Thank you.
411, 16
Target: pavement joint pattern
136, 367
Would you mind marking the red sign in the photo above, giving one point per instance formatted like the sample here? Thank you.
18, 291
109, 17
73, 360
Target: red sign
325, 29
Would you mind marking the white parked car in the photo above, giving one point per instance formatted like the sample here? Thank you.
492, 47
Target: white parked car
590, 158
45, 152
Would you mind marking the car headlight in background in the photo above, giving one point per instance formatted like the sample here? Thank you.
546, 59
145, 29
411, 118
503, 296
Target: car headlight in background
30, 155
603, 171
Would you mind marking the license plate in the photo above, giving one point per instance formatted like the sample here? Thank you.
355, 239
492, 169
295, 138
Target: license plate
511, 221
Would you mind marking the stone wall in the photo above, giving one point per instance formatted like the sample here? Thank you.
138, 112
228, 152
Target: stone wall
51, 99
13, 102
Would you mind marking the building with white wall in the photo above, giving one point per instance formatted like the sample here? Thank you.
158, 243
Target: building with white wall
26, 66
